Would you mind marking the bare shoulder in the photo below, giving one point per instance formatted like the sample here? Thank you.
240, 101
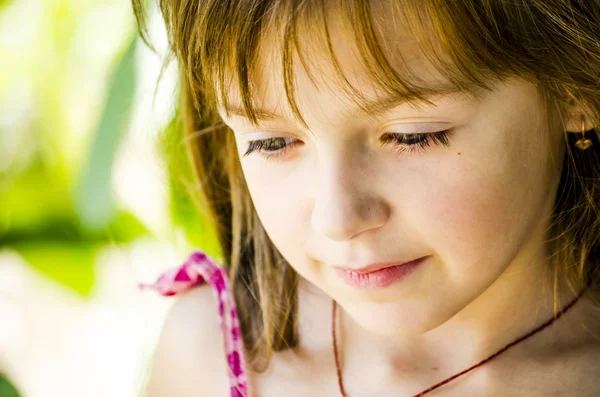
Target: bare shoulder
577, 364
190, 358
577, 373
584, 364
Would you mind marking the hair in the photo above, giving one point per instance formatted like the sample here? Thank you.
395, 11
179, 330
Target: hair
553, 43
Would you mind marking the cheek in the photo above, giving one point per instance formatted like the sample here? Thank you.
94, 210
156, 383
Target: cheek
279, 195
466, 213
480, 212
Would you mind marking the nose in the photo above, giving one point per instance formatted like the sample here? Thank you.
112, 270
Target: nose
346, 202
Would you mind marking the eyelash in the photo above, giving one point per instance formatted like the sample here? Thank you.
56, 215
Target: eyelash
418, 143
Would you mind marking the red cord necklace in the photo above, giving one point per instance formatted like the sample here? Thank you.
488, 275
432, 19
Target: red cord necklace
538, 329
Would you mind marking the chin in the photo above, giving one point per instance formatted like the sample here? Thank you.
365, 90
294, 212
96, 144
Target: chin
388, 320
392, 319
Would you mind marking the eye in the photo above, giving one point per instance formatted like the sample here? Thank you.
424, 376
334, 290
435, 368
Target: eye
272, 147
415, 143
405, 143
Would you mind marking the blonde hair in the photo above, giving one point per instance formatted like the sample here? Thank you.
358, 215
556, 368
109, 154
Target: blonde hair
554, 43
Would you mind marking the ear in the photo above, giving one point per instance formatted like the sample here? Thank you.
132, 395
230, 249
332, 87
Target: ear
577, 119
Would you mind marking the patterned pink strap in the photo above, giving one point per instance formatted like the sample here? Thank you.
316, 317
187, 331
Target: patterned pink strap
197, 269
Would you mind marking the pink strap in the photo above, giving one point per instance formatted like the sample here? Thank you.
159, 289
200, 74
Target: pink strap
197, 269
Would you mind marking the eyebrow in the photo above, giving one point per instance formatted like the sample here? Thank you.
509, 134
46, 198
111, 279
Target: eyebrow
376, 107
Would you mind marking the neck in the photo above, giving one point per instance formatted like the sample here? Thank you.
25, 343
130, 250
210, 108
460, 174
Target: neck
521, 300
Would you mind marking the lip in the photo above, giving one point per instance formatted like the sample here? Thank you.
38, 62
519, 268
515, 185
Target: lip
373, 267
377, 275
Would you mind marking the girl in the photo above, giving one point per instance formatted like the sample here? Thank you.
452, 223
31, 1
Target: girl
406, 194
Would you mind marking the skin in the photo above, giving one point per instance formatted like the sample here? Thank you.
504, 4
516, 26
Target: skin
477, 209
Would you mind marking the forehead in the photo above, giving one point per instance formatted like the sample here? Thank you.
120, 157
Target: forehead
325, 60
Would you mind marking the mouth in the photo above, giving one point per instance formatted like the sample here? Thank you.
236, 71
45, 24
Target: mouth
373, 267
377, 275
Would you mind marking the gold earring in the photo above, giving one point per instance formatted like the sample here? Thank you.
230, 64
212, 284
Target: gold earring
584, 142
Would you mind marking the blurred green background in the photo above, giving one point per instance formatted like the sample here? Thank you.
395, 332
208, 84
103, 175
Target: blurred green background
93, 190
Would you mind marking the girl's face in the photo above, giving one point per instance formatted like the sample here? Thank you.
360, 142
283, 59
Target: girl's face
474, 202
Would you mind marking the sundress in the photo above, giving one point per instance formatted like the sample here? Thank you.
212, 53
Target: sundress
197, 269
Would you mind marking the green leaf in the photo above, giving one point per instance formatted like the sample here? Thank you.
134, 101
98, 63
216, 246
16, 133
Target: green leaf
65, 252
6, 388
94, 203
3, 3
125, 228
36, 198
70, 264
66, 229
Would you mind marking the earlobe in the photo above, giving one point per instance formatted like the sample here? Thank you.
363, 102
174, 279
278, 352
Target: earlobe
578, 122
577, 117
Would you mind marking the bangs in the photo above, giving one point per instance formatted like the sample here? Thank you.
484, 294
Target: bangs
227, 40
